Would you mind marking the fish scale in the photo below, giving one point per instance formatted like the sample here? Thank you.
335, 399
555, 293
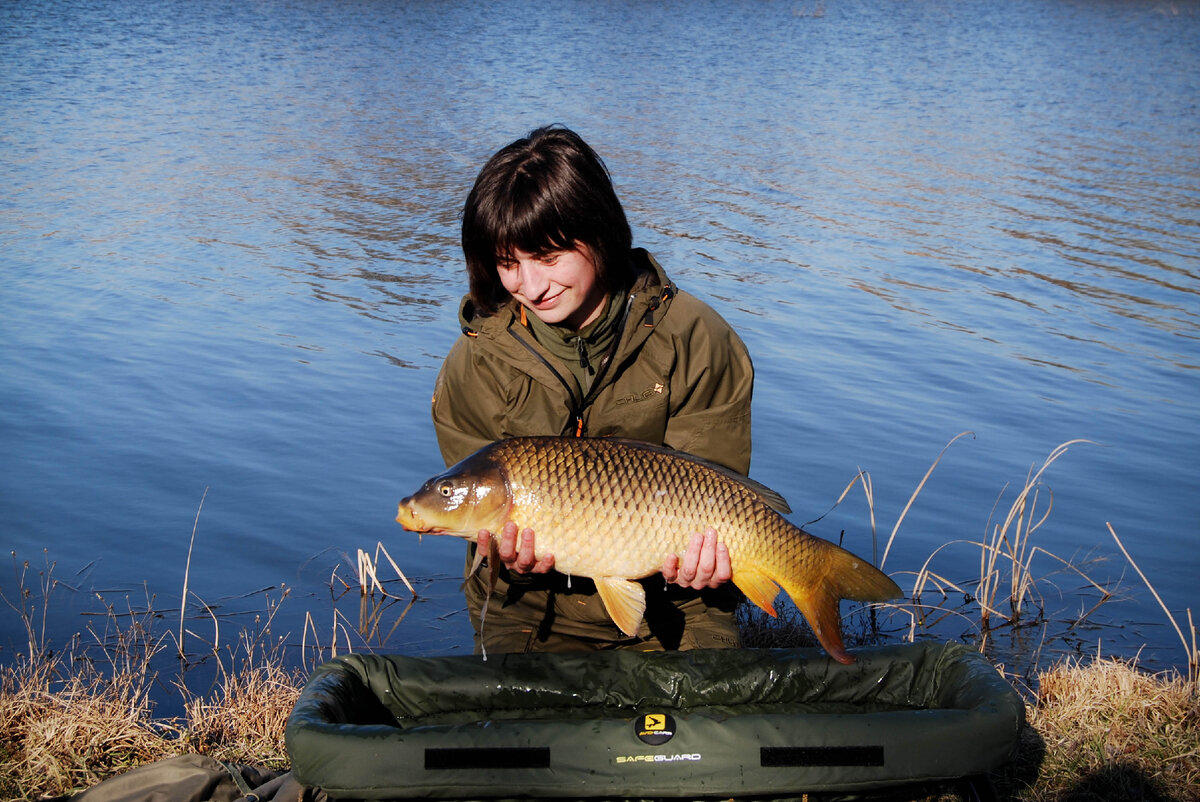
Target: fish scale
628, 508
613, 510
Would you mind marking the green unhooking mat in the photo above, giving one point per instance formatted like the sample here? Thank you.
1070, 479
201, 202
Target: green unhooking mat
733, 722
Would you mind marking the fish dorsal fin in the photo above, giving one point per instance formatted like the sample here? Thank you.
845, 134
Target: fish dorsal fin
771, 498
624, 600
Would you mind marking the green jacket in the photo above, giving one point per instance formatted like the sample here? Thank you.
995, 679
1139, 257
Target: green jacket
678, 375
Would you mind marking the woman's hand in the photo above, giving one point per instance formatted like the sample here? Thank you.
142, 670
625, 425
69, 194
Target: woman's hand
705, 564
516, 555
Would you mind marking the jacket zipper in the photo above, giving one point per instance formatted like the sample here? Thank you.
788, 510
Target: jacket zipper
602, 368
576, 408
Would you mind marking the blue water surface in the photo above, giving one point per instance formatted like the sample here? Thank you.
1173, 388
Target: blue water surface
230, 271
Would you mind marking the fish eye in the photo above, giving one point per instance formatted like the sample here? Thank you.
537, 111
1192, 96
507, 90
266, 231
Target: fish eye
446, 489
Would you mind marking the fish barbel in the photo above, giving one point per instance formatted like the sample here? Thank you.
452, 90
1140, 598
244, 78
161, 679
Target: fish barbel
612, 510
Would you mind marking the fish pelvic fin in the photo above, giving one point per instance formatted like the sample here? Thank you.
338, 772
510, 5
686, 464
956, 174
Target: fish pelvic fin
624, 600
480, 556
492, 555
758, 587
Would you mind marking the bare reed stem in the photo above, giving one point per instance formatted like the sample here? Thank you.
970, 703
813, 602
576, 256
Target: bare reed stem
187, 568
1193, 656
916, 492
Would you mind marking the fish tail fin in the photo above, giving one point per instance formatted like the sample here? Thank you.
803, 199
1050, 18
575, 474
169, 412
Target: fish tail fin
855, 578
844, 576
820, 608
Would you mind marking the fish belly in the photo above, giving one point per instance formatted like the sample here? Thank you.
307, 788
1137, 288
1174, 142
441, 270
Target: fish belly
622, 543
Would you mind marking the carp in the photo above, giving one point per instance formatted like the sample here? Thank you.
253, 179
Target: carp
612, 510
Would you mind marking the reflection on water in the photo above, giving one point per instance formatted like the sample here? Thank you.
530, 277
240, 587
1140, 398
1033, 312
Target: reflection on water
227, 224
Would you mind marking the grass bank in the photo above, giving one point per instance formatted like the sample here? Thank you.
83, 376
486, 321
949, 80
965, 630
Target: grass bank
71, 719
1101, 730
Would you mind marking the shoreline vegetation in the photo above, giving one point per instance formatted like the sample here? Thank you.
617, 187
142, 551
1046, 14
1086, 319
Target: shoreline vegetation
1096, 728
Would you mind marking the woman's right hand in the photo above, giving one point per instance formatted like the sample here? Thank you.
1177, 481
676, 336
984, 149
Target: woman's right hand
516, 554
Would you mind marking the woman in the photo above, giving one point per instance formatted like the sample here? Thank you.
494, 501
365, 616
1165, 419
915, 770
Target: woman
569, 330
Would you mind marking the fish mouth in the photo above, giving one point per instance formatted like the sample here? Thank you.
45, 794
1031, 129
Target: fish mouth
407, 517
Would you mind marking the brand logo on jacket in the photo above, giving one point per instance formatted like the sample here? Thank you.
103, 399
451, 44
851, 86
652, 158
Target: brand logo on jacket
658, 389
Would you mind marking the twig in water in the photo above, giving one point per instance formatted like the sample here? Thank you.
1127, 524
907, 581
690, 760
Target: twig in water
368, 573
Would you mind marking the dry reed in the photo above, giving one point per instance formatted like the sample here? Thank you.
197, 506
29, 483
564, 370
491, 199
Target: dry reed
1193, 653
372, 610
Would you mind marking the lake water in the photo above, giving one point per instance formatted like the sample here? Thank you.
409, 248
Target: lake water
230, 271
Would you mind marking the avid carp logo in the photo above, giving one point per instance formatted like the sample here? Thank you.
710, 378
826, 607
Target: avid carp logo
654, 728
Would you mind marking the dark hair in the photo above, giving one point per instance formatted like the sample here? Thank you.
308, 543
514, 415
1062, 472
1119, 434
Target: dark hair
548, 191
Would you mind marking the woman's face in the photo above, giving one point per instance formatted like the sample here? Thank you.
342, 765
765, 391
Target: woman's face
560, 287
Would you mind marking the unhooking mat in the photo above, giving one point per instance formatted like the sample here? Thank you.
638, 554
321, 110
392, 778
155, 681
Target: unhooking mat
727, 723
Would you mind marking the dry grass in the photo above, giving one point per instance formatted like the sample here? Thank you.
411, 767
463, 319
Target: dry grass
72, 718
242, 719
67, 724
1107, 731
1097, 731
65, 727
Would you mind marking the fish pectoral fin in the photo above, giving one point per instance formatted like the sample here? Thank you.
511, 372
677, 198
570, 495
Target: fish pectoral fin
480, 555
624, 600
492, 555
758, 587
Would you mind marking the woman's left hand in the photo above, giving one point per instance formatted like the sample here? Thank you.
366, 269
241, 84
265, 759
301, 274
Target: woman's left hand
705, 564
